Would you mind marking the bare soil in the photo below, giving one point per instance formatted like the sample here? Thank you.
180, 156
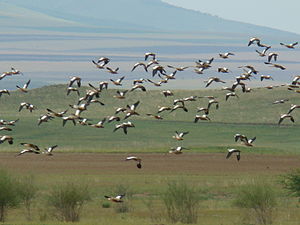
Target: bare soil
186, 163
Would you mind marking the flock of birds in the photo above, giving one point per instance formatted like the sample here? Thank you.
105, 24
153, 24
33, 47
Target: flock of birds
153, 65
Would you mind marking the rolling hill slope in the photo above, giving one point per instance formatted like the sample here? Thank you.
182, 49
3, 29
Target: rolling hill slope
252, 114
121, 16
236, 110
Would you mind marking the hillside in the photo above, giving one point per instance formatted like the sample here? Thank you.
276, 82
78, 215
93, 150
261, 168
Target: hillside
252, 114
120, 16
235, 110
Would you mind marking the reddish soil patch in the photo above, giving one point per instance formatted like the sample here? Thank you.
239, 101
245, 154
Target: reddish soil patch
186, 163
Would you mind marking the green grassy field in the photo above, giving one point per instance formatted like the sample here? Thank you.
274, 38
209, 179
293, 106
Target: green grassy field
275, 152
253, 114
146, 187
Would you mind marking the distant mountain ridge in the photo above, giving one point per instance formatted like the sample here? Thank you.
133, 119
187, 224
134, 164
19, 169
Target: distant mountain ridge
119, 16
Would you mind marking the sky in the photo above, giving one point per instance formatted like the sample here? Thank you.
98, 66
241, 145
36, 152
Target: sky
283, 15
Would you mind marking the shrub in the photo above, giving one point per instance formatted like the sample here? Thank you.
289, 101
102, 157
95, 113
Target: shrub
259, 199
156, 216
105, 205
182, 202
291, 182
27, 192
68, 199
123, 207
9, 196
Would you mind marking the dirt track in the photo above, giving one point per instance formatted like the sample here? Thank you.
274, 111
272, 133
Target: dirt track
90, 163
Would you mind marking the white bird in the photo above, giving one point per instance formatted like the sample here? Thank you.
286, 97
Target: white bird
120, 94
181, 68
4, 91
263, 53
280, 101
253, 40
177, 150
137, 159
167, 93
248, 142
225, 55
179, 135
202, 117
99, 124
9, 139
147, 54
223, 70
48, 151
239, 136
27, 105
117, 199
124, 126
199, 70
213, 79
231, 151
292, 45
140, 64
231, 94
73, 79
276, 65
272, 55
266, 77
293, 107
113, 118
118, 81
112, 71
103, 60
284, 116
69, 89
25, 87
44, 118
138, 86
23, 151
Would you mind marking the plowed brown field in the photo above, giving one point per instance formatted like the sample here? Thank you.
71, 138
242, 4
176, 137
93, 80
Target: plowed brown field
186, 163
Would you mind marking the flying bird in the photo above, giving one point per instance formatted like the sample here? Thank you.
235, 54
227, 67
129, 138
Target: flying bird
112, 71
225, 55
167, 93
69, 89
177, 150
31, 146
292, 45
137, 159
139, 64
253, 40
213, 79
272, 55
118, 81
231, 94
293, 107
9, 139
120, 94
284, 116
148, 54
48, 151
276, 65
124, 126
117, 199
103, 60
75, 79
158, 117
23, 151
24, 88
280, 101
179, 135
201, 117
232, 151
